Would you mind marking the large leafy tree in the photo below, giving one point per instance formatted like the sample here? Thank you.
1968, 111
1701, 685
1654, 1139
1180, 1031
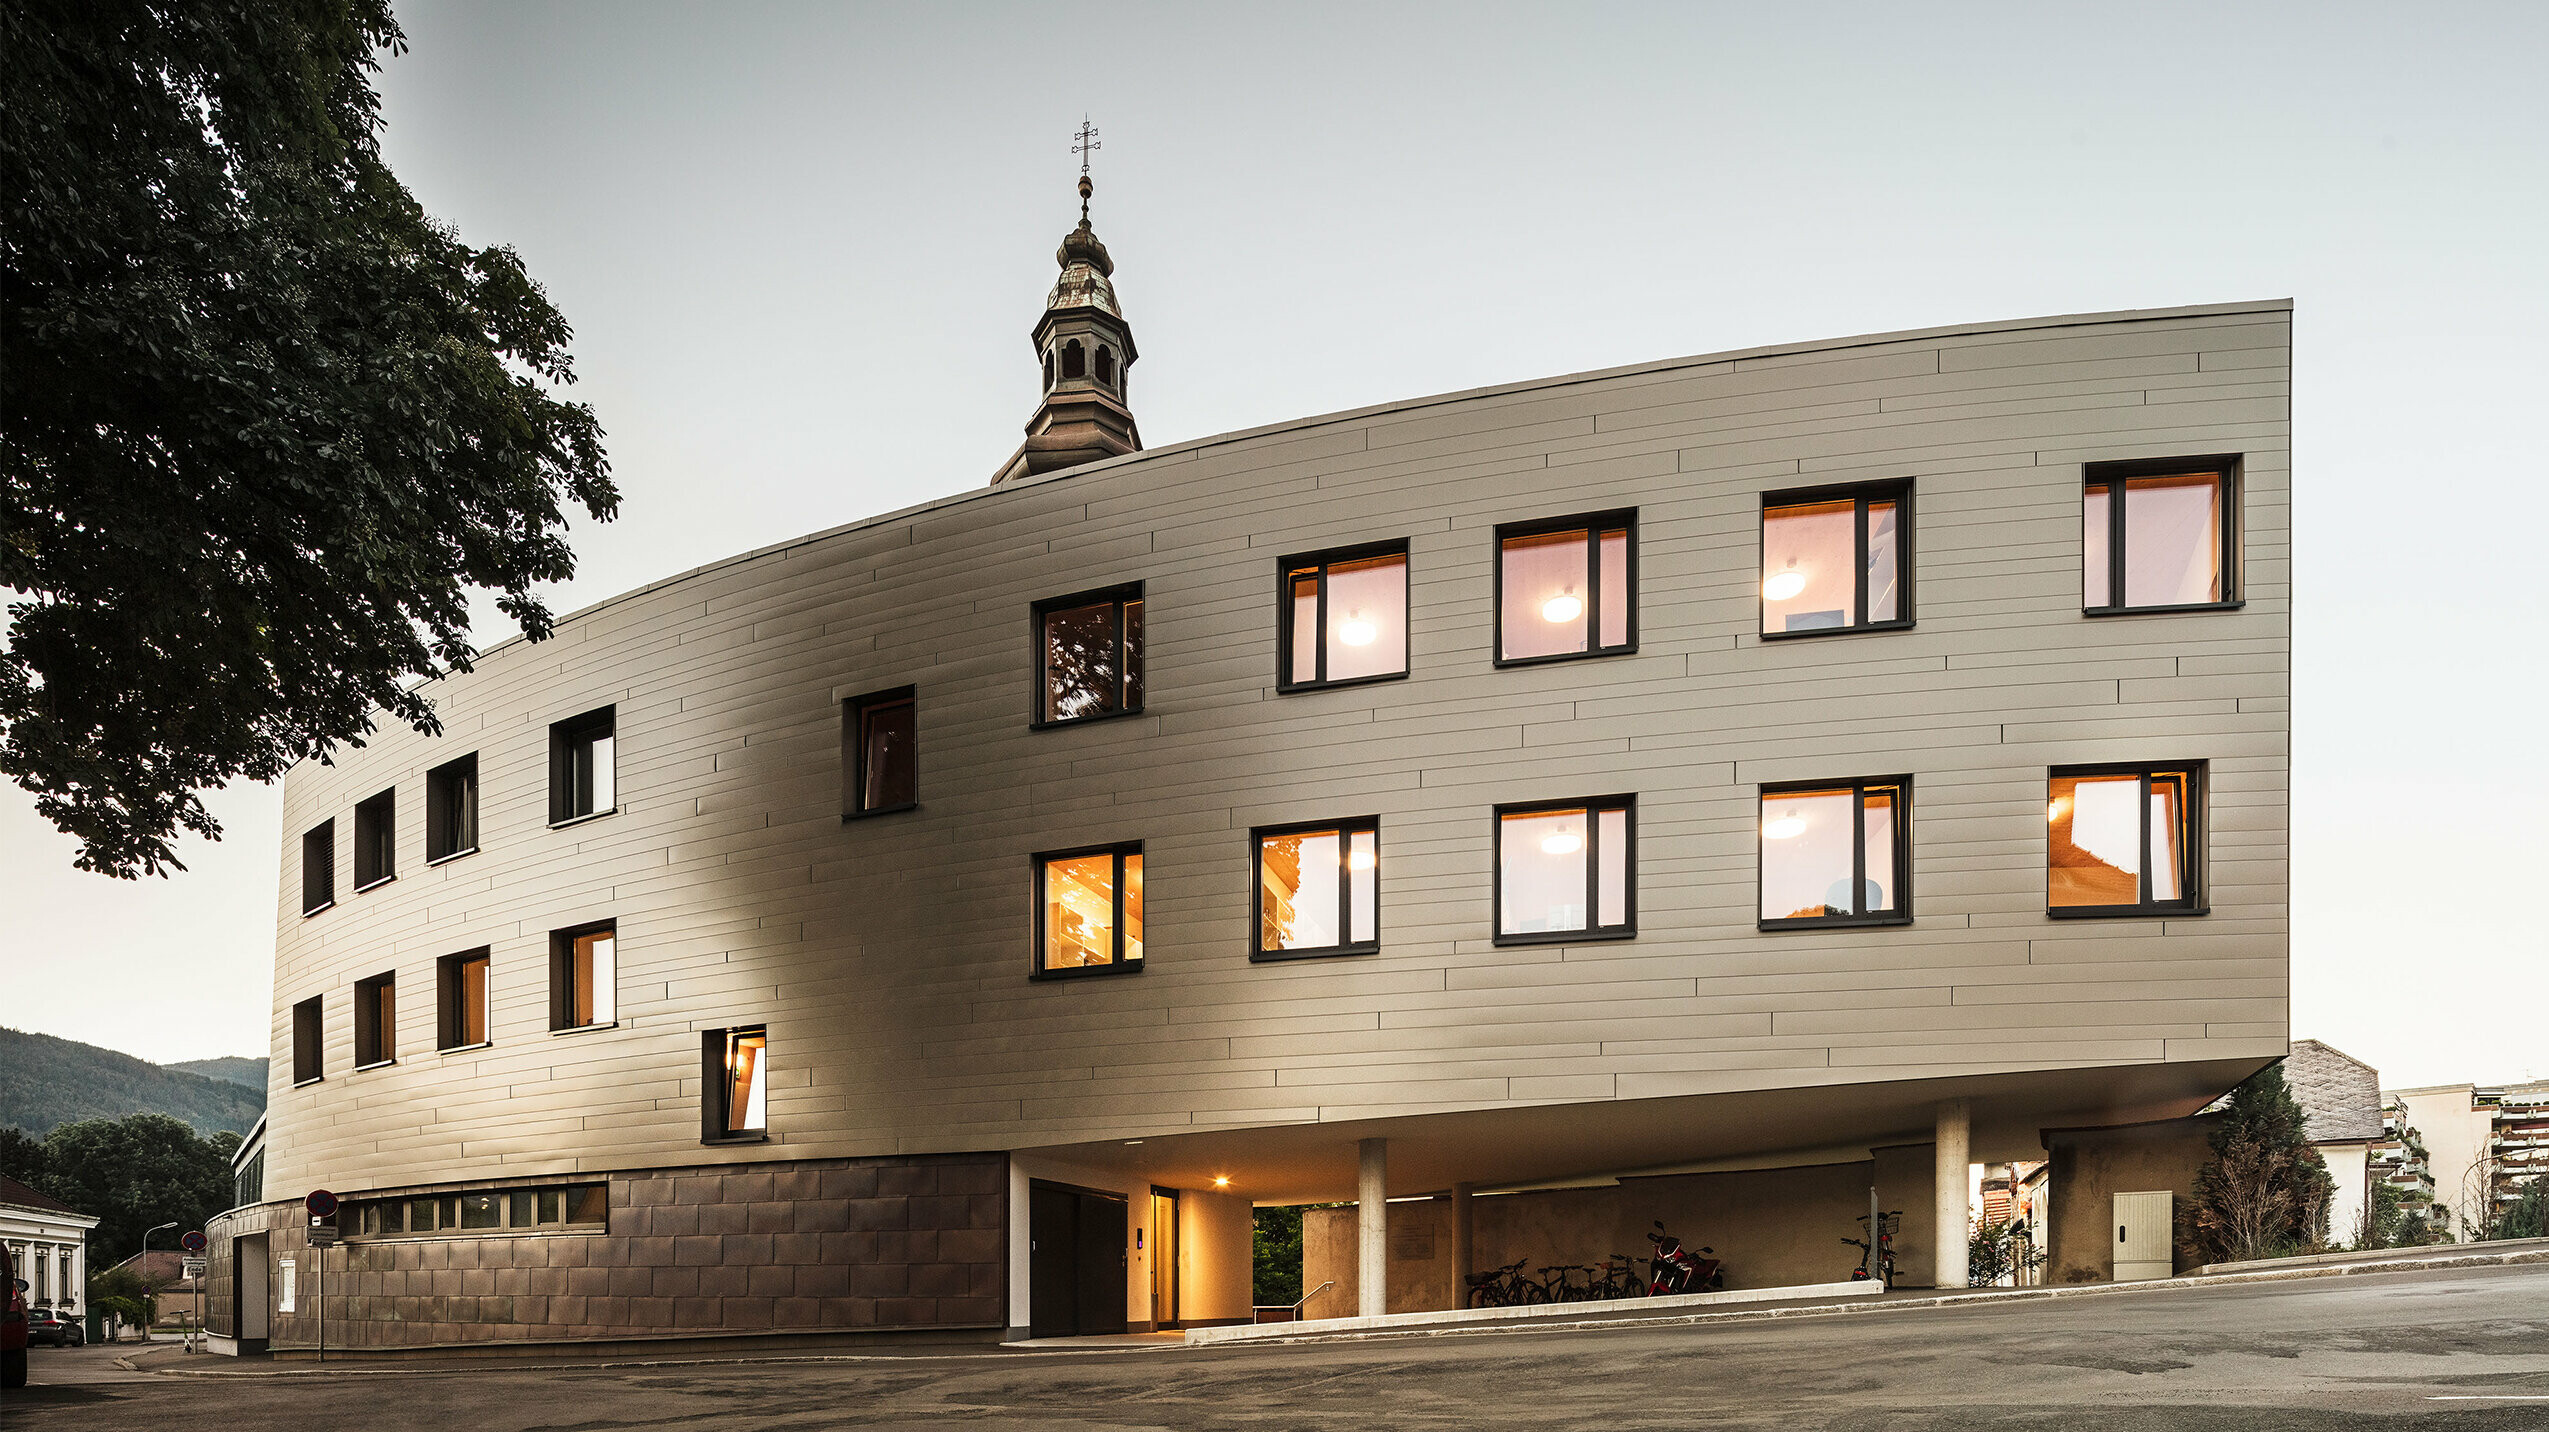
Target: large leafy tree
263, 422
135, 1173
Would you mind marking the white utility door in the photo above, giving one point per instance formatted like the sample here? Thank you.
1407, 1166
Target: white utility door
2142, 1241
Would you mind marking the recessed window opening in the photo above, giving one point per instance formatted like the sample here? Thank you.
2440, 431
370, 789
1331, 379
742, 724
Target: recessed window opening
1344, 617
1106, 365
1075, 360
1089, 653
735, 1085
1566, 588
376, 1020
460, 988
309, 1052
318, 867
583, 976
1048, 370
2125, 840
1566, 871
581, 1208
376, 840
1318, 889
879, 737
1836, 560
1089, 910
583, 760
1835, 853
451, 809
2158, 536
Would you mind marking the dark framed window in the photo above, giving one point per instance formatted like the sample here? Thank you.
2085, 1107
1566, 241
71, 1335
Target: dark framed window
1566, 588
1318, 889
1836, 853
460, 998
376, 841
1088, 911
581, 1208
451, 809
584, 766
318, 867
376, 1021
880, 753
1344, 617
584, 976
1088, 656
1566, 871
2125, 840
1836, 559
309, 1048
2160, 535
734, 1085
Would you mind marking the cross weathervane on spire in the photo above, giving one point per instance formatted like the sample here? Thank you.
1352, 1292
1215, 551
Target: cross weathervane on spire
1083, 144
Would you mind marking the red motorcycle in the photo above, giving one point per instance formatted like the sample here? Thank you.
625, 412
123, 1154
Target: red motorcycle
1674, 1269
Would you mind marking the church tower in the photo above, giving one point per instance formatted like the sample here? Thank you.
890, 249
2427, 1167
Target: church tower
1086, 349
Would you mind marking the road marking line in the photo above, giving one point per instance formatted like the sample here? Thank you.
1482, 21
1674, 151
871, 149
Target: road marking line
2489, 1397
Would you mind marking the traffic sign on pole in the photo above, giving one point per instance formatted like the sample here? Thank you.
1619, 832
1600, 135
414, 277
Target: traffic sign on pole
321, 1203
194, 1243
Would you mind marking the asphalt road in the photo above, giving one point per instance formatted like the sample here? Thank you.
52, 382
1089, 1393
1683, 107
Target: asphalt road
2461, 1350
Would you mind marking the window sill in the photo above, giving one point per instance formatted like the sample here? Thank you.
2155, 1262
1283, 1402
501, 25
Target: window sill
306, 1083
1863, 629
581, 819
850, 815
1555, 658
447, 859
308, 910
1565, 937
1081, 972
583, 1028
1055, 725
1335, 952
2163, 611
1297, 688
732, 1139
374, 885
546, 1230
481, 1044
2125, 912
376, 1064
1835, 922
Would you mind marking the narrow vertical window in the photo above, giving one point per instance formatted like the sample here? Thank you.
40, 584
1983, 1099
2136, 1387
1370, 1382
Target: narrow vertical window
1566, 871
2125, 840
1318, 889
583, 766
1089, 656
376, 841
461, 998
1089, 910
376, 1021
1836, 853
309, 1053
1836, 559
451, 809
880, 744
583, 977
1344, 617
734, 1085
318, 867
2159, 536
1565, 588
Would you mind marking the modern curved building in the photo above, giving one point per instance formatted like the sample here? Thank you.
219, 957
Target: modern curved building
1790, 768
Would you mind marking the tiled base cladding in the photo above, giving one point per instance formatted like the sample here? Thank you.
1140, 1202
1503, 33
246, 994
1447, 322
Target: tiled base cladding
843, 1245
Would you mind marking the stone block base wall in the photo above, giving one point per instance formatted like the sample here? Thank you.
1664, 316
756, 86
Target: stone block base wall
825, 1246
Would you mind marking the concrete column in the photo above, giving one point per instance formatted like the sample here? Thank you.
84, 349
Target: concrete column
1372, 1231
1955, 1212
1464, 1260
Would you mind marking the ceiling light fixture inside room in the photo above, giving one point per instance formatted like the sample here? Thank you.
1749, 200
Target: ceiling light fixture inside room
1785, 827
1785, 585
1564, 607
1354, 631
1565, 842
1359, 860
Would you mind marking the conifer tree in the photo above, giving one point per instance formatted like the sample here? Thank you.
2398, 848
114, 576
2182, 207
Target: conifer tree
2266, 1192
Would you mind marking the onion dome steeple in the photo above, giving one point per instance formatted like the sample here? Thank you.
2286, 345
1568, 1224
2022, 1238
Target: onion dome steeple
1086, 348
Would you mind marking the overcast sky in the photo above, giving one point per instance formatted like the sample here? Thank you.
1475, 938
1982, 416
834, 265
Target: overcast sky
802, 247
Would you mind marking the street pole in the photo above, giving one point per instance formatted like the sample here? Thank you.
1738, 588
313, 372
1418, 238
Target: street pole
145, 1272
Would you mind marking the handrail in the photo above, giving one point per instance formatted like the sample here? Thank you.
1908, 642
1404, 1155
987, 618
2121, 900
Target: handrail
1294, 1309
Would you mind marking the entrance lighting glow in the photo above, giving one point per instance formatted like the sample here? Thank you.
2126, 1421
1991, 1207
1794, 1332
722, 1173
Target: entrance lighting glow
1221, 1180
1565, 842
1786, 827
1564, 607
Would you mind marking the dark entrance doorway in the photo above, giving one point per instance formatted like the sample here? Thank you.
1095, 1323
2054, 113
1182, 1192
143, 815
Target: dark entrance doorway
1075, 1261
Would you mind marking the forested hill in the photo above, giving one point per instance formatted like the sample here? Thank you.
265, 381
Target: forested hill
236, 1068
46, 1081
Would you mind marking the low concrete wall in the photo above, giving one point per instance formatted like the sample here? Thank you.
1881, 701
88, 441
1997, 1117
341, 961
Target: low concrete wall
1544, 1312
2091, 1166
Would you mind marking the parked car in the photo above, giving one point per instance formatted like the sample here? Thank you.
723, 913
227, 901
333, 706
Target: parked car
13, 1321
56, 1327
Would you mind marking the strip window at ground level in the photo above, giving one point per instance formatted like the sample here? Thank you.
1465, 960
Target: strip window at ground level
1344, 617
2123, 840
1566, 588
1089, 910
1566, 870
2158, 536
576, 1207
1318, 889
1836, 560
1835, 853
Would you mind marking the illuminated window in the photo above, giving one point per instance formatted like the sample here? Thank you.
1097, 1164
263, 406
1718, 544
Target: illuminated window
376, 841
2158, 536
583, 976
318, 867
2125, 840
881, 752
1344, 617
1836, 559
1089, 910
1836, 853
1566, 871
583, 766
1089, 655
578, 1208
1318, 889
1566, 588
734, 1079
461, 999
375, 1020
451, 809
